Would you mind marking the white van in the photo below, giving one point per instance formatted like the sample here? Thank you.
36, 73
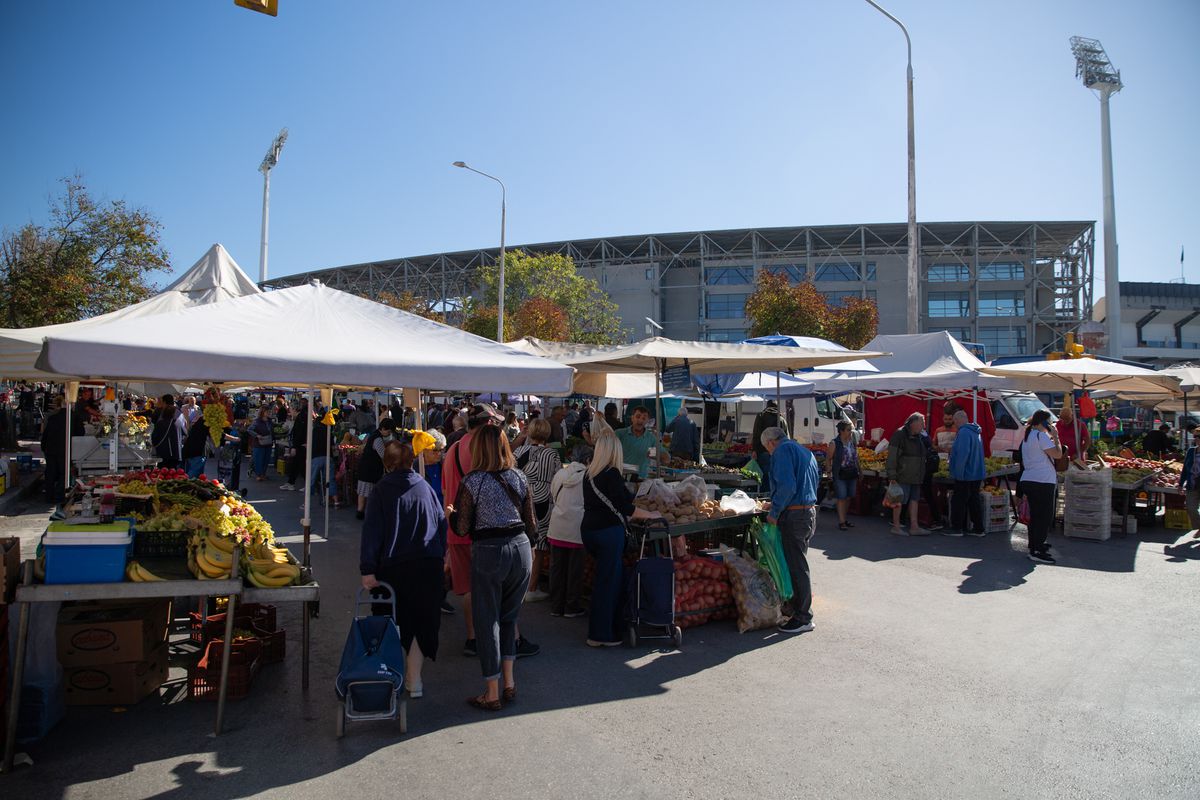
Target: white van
813, 419
1011, 411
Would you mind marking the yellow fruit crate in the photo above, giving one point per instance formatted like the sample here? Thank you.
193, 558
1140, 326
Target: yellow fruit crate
1177, 519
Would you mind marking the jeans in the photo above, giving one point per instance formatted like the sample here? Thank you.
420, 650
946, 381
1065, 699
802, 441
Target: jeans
566, 578
194, 466
845, 489
764, 463
965, 503
320, 466
262, 460
606, 546
796, 528
500, 570
1041, 512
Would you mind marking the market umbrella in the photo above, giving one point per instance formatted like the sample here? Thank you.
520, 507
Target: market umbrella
1068, 374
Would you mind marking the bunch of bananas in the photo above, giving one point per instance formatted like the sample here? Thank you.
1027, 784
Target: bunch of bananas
139, 574
210, 556
269, 567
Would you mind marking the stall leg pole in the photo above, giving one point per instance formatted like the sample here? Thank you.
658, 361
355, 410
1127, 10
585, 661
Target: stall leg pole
1183, 434
306, 521
230, 612
327, 477
18, 674
67, 454
658, 423
305, 631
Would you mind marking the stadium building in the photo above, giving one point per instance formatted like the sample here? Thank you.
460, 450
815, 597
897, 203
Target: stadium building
1012, 287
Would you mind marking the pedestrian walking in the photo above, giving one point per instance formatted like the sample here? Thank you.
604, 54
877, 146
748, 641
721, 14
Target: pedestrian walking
842, 457
370, 463
166, 438
794, 479
262, 434
1189, 481
539, 463
907, 454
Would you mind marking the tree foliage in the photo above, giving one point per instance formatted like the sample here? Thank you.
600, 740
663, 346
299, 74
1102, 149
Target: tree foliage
778, 306
407, 301
90, 258
542, 318
481, 321
590, 315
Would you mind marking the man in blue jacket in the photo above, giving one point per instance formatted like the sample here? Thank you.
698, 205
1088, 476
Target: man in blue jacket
794, 479
968, 471
1189, 481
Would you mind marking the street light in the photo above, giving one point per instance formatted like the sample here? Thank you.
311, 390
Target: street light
1097, 73
268, 162
913, 272
503, 204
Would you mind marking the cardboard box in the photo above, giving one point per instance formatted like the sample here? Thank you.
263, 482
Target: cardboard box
111, 633
10, 568
116, 684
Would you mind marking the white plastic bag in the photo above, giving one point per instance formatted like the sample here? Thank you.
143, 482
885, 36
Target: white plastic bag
691, 490
739, 502
657, 489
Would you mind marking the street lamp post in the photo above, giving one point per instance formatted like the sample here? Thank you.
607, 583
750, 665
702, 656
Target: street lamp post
914, 318
268, 162
503, 205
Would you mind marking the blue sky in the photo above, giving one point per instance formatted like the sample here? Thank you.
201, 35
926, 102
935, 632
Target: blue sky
602, 118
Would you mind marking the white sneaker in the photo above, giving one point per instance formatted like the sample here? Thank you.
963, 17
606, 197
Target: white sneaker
535, 596
287, 487
918, 532
416, 691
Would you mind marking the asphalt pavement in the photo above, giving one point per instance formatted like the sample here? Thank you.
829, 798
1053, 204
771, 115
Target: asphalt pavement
939, 667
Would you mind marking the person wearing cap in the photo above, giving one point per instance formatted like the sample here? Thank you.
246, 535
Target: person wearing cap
370, 464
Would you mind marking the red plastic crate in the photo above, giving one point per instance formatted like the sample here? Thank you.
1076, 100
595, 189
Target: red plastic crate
204, 679
256, 615
274, 643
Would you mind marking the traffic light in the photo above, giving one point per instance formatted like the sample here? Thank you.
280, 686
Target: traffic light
261, 6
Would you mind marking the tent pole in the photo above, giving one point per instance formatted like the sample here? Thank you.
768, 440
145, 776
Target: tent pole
658, 423
67, 475
306, 521
1183, 433
327, 478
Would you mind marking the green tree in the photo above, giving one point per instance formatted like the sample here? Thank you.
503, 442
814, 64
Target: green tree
778, 306
407, 301
481, 321
591, 315
90, 258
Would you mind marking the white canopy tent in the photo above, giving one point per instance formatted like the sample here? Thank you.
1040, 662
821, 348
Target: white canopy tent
1064, 375
214, 278
303, 336
916, 363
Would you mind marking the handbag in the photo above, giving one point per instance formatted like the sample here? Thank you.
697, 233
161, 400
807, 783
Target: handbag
1023, 514
265, 441
631, 543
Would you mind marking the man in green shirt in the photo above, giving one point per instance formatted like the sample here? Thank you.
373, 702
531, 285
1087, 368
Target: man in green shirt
637, 440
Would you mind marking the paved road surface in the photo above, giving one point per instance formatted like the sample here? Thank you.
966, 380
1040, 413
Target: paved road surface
939, 668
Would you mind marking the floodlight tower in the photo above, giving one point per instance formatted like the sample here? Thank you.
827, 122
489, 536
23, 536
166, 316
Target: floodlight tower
1098, 74
268, 162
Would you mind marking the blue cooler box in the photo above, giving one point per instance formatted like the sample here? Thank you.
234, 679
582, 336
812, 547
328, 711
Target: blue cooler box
86, 553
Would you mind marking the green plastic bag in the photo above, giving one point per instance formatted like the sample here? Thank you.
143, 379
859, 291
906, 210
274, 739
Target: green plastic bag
771, 557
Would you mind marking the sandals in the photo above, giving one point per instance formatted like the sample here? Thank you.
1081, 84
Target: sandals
481, 702
843, 526
509, 694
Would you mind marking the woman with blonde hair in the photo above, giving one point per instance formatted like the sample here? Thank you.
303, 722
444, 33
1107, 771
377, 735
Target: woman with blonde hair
494, 508
607, 505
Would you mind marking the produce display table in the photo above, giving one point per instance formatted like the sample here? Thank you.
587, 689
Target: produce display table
719, 530
30, 592
1127, 491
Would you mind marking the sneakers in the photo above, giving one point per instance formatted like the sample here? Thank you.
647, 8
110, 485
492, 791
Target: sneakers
416, 691
976, 534
795, 625
469, 648
898, 531
535, 596
1042, 557
918, 532
597, 643
527, 648
937, 526
287, 487
952, 532
573, 613
447, 608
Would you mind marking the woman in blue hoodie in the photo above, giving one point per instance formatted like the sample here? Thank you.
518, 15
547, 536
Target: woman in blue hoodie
404, 545
968, 471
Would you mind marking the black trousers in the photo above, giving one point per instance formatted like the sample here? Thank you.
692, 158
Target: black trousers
566, 578
295, 467
1041, 512
965, 503
419, 590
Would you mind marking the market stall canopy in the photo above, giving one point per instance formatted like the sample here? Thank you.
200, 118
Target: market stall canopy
1188, 375
919, 362
703, 357
731, 383
308, 335
763, 384
214, 278
1086, 373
